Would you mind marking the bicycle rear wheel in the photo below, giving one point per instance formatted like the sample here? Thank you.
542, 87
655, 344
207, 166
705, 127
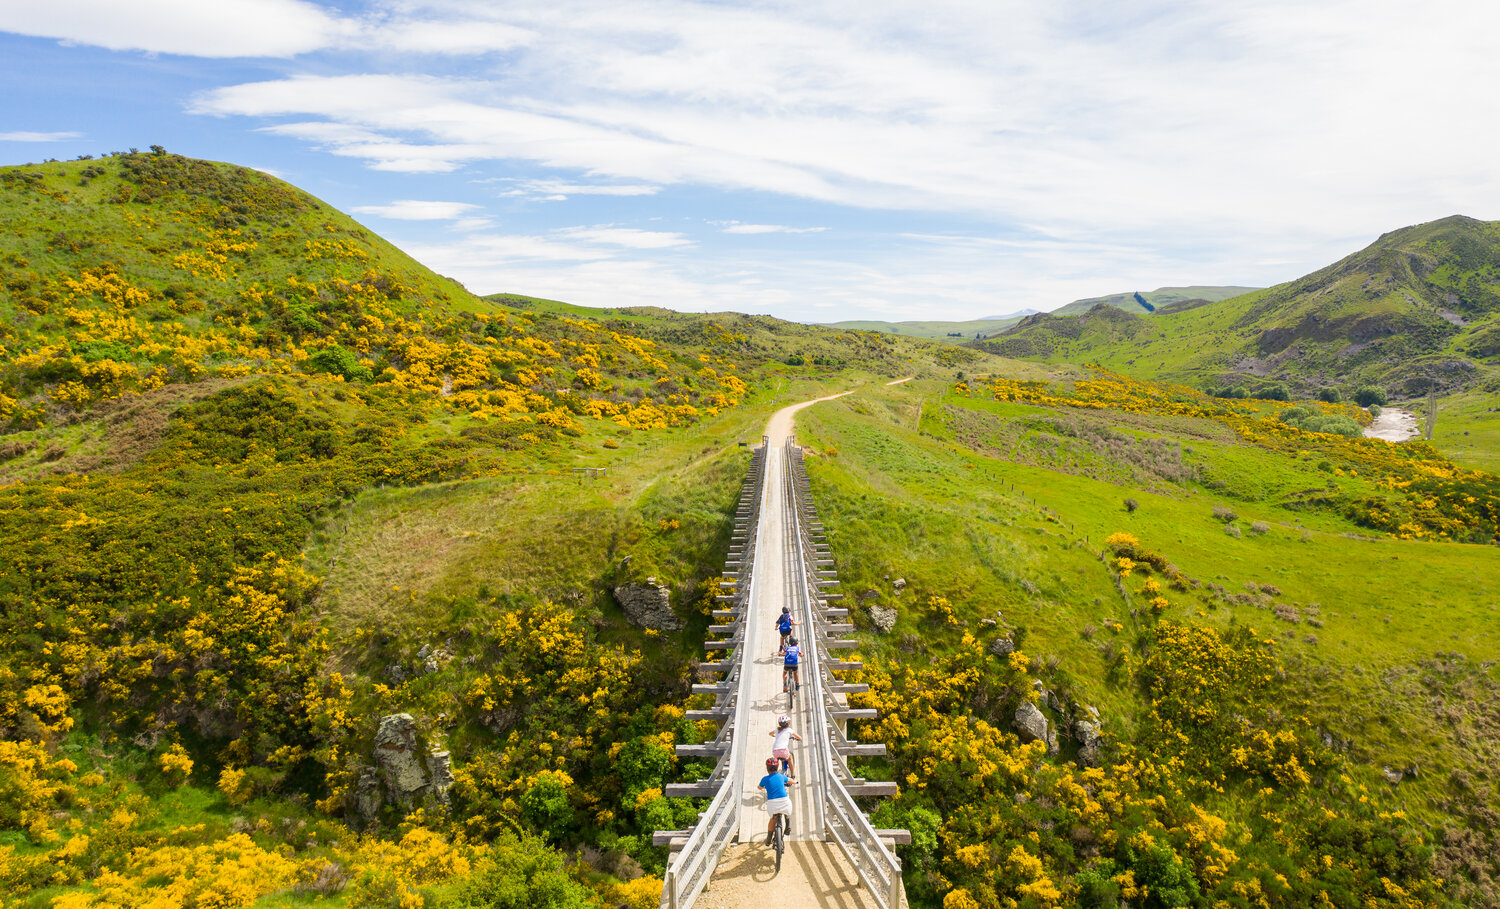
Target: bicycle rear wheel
778, 840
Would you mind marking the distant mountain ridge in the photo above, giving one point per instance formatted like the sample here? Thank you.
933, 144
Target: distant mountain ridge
1418, 309
988, 326
1162, 297
970, 330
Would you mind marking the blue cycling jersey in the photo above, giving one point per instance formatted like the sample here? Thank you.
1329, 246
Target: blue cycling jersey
775, 785
793, 654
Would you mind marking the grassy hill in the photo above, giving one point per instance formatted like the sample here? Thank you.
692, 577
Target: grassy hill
948, 331
1285, 684
1411, 314
264, 481
1162, 299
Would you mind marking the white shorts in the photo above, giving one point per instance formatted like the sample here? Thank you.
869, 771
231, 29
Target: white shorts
779, 806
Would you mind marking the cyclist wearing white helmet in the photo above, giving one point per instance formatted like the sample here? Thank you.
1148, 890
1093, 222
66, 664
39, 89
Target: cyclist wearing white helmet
781, 748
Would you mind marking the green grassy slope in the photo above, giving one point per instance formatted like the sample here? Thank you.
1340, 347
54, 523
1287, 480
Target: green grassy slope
264, 480
1002, 511
952, 331
1163, 298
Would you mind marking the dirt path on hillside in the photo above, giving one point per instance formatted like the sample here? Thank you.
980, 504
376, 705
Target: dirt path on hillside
1394, 425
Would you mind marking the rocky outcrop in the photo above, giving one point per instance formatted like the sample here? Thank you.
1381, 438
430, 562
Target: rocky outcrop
406, 773
433, 659
648, 605
1090, 739
442, 775
1031, 724
883, 618
367, 796
398, 759
1002, 646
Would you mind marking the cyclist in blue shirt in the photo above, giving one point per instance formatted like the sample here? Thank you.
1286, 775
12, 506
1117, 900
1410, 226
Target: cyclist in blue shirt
784, 623
777, 801
789, 665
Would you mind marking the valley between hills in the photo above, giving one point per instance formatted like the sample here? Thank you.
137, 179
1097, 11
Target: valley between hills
322, 577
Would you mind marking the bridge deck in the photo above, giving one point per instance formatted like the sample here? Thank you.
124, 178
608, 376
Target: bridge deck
835, 858
812, 875
773, 589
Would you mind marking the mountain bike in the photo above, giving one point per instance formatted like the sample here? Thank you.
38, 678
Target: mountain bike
779, 834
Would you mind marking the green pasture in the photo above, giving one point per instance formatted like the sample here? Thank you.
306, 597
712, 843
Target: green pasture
1020, 543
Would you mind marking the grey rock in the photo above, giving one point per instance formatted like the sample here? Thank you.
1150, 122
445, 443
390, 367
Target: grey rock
426, 649
367, 795
621, 865
899, 584
398, 758
1391, 776
1002, 646
884, 618
395, 673
987, 623
1032, 726
1090, 738
442, 775
648, 605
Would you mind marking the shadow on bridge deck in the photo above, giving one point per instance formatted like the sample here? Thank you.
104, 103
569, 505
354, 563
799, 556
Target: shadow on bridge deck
812, 874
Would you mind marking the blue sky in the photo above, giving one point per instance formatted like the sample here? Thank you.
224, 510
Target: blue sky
812, 160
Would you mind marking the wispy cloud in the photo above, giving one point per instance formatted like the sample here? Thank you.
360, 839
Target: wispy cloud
1042, 151
558, 190
626, 236
415, 210
737, 228
223, 28
24, 136
1141, 118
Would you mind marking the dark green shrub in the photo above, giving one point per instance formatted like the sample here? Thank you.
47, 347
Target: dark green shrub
1369, 394
520, 874
340, 361
546, 808
642, 764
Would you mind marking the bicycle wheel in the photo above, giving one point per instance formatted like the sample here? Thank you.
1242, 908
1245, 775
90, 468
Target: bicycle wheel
778, 841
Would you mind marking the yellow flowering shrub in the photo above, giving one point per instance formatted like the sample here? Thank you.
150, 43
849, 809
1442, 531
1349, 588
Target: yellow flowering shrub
176, 765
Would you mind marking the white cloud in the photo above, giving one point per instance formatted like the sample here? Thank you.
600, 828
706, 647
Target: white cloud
452, 37
737, 228
628, 237
1143, 142
559, 190
24, 136
1189, 117
221, 28
415, 210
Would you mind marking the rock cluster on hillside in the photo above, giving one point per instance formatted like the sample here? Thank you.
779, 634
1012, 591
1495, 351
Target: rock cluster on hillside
405, 773
648, 605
